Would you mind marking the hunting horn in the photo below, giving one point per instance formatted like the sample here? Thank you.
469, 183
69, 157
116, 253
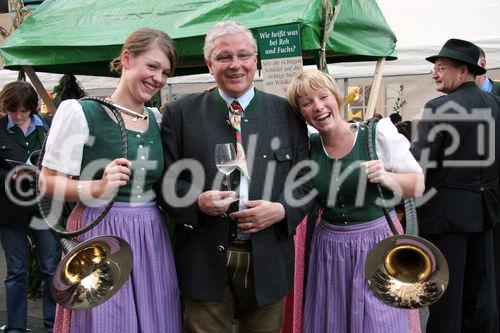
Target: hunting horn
92, 271
405, 271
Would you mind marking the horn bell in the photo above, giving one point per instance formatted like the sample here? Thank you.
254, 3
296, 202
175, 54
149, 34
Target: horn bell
91, 272
406, 271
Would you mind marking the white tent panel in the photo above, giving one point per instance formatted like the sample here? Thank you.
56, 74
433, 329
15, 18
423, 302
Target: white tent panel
423, 26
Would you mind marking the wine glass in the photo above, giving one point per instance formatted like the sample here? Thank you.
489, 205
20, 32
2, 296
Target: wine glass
225, 160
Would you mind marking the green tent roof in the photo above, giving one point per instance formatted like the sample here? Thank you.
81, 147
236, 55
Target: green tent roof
81, 37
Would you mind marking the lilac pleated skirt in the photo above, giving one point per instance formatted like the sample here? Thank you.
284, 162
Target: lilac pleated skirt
337, 297
149, 301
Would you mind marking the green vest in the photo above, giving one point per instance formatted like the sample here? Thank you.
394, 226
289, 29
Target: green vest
104, 145
341, 180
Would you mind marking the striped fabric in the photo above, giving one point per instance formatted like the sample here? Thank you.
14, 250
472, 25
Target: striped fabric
337, 297
236, 114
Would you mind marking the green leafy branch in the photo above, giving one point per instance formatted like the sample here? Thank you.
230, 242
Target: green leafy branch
400, 101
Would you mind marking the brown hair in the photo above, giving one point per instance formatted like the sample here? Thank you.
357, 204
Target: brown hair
141, 41
19, 94
304, 83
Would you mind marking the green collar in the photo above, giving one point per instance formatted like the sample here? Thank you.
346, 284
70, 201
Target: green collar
466, 85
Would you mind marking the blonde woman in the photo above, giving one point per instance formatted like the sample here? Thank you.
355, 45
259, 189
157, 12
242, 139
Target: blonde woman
337, 298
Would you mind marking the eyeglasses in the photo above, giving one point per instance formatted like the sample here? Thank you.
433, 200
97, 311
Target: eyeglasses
227, 57
439, 69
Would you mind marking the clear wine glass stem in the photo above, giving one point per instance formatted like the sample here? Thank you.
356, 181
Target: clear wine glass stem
228, 179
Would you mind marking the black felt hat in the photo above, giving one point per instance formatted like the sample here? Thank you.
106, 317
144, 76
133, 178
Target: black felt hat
463, 51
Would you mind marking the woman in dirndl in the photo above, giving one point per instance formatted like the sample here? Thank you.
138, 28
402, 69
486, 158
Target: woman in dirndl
337, 297
83, 156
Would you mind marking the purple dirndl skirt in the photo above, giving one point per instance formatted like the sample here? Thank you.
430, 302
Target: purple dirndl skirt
337, 297
149, 301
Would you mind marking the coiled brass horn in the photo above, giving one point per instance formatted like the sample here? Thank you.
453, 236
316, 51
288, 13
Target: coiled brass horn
92, 271
405, 271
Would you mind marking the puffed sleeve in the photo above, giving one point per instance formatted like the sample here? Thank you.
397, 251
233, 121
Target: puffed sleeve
67, 136
393, 149
157, 115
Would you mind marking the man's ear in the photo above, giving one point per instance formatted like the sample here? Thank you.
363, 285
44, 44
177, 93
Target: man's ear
464, 71
208, 62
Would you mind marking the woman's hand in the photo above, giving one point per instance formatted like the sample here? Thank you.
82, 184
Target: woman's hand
63, 187
407, 184
375, 172
116, 174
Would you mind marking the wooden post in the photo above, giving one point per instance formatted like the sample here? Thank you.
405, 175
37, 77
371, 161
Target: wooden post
346, 93
40, 89
377, 79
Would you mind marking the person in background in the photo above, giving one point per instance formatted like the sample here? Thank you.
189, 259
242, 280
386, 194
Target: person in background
396, 118
337, 296
405, 128
22, 132
459, 216
493, 87
85, 137
235, 261
483, 81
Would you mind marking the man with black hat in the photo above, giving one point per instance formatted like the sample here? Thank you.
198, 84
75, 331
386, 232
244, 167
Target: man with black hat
457, 146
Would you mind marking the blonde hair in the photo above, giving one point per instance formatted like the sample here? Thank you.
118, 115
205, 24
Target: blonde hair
308, 81
141, 41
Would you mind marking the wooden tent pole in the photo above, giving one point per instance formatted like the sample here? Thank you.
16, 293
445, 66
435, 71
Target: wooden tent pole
40, 89
374, 91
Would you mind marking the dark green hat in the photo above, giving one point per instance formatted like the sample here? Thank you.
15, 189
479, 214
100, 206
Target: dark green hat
463, 51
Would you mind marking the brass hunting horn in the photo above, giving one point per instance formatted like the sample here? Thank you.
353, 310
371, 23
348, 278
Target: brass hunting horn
405, 271
94, 270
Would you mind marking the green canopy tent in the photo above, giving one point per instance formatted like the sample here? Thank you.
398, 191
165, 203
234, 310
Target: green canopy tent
81, 37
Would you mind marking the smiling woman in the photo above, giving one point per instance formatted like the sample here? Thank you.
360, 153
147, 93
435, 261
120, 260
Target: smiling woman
337, 295
83, 163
